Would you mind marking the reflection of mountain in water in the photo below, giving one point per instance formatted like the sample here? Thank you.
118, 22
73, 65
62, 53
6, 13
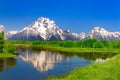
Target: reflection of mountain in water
43, 60
101, 60
7, 63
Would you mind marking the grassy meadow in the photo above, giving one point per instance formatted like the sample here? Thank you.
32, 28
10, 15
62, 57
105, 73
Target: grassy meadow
7, 55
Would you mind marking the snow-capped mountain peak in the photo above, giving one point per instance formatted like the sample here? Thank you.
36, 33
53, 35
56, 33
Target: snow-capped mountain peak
102, 34
2, 28
98, 29
44, 22
41, 29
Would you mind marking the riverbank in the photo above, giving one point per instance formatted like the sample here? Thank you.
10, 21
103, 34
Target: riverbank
77, 50
7, 55
109, 70
68, 50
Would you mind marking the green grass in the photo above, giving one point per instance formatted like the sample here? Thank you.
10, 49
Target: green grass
75, 50
68, 50
109, 70
23, 45
3, 55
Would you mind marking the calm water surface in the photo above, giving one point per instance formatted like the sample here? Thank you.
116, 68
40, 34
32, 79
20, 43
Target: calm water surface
37, 65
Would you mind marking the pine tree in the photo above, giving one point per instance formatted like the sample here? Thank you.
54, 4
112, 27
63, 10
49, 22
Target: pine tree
1, 42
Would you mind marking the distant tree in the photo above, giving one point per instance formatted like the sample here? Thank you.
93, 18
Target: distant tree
54, 43
69, 44
36, 42
116, 44
110, 45
89, 43
79, 44
99, 44
106, 43
61, 44
1, 41
9, 47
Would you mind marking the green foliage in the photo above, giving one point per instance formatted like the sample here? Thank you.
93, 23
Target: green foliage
20, 42
89, 43
9, 47
36, 42
6, 55
6, 46
1, 42
68, 44
116, 44
99, 44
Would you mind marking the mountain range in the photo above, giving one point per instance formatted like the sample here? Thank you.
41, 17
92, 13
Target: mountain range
46, 30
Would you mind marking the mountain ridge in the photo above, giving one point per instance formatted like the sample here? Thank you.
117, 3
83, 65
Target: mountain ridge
46, 30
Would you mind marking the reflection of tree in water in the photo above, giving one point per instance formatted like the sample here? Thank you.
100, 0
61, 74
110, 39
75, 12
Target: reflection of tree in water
7, 63
1, 64
91, 55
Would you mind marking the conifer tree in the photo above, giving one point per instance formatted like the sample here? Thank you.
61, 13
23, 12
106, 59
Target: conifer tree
1, 42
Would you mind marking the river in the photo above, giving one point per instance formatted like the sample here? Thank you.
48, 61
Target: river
37, 65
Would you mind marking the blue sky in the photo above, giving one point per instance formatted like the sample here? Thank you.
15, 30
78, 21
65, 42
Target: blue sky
77, 15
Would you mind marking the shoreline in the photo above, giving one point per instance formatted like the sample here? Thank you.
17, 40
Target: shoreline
69, 50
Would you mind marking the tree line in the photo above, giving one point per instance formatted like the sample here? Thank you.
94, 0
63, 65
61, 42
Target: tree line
89, 43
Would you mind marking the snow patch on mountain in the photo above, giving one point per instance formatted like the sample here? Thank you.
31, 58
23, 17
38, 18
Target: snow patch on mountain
82, 35
13, 32
2, 28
